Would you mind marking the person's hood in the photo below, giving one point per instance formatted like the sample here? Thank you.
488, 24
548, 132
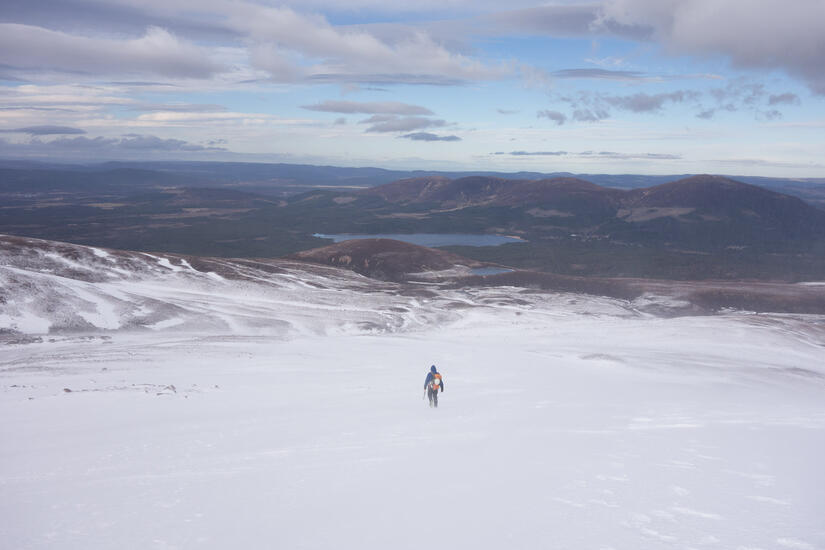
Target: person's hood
432, 369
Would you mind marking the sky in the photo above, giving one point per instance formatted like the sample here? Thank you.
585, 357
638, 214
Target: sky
611, 86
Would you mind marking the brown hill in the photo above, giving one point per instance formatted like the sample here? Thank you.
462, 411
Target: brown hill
717, 208
408, 190
697, 211
490, 191
384, 259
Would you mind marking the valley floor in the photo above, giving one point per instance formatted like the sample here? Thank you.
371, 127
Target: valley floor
573, 425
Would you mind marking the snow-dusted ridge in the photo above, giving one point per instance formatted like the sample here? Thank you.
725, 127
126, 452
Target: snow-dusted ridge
57, 287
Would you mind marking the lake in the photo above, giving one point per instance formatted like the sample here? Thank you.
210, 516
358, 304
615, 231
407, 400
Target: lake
431, 240
491, 270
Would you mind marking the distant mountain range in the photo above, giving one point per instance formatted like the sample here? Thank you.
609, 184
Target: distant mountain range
287, 179
696, 227
699, 211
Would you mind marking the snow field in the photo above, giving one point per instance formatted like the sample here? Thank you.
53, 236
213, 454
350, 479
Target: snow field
571, 426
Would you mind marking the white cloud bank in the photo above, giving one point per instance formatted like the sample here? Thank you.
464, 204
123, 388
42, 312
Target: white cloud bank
157, 52
769, 34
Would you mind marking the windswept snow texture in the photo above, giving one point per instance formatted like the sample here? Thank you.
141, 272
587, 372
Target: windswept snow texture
60, 288
285, 409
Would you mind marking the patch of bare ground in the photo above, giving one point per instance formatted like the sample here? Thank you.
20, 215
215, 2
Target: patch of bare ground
645, 214
613, 288
753, 296
549, 213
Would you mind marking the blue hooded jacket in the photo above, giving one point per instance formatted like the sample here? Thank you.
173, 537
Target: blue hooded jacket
430, 375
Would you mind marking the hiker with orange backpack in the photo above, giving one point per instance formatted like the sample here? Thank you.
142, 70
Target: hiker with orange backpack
433, 384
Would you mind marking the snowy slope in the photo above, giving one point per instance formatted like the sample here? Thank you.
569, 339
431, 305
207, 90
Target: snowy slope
567, 421
60, 288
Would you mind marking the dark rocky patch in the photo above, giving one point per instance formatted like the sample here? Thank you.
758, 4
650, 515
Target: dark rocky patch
614, 288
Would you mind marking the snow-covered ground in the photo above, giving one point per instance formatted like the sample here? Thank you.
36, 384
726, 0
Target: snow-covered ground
567, 422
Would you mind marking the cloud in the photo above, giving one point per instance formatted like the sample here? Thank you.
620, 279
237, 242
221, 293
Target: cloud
376, 107
745, 95
534, 153
599, 74
507, 111
391, 123
784, 99
645, 103
588, 115
740, 90
770, 114
153, 143
426, 136
775, 34
179, 108
129, 142
45, 130
630, 156
594, 107
598, 154
562, 20
157, 52
555, 116
291, 47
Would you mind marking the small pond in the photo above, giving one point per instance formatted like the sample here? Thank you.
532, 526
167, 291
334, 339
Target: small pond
431, 240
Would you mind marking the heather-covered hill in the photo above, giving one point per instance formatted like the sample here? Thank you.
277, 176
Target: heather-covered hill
386, 258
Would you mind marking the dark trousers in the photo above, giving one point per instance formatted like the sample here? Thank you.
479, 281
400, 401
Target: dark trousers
432, 395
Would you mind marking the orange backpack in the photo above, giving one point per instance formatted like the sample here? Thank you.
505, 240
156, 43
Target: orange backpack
435, 383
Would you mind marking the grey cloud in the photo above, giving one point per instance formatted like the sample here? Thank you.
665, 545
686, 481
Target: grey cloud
156, 52
784, 99
777, 34
141, 83
588, 115
555, 116
599, 74
340, 121
386, 79
46, 109
123, 18
426, 136
45, 130
378, 118
599, 154
506, 111
743, 94
562, 20
771, 114
136, 142
630, 156
742, 90
767, 163
592, 107
375, 107
10, 78
644, 103
291, 45
535, 153
180, 108
388, 123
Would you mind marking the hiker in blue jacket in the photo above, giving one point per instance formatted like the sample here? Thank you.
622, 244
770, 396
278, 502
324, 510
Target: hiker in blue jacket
433, 384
